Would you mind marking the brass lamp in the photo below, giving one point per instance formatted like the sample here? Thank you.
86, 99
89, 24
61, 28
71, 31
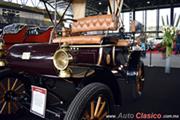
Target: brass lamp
2, 52
61, 60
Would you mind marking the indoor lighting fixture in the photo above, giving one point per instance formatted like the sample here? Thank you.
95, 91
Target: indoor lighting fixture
148, 2
100, 3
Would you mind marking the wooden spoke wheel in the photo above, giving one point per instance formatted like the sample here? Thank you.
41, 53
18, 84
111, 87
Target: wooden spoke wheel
11, 89
93, 102
97, 111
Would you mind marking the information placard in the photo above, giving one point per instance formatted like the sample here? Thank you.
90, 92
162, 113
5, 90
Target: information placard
38, 101
26, 56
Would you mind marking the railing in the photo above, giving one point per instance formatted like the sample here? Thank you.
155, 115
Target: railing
9, 20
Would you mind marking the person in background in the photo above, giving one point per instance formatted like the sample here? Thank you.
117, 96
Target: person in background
121, 33
178, 42
142, 38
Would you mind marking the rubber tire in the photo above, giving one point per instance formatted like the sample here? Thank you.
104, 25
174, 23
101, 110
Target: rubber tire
78, 105
134, 93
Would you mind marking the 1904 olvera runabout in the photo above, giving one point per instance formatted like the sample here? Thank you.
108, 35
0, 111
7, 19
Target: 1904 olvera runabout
79, 73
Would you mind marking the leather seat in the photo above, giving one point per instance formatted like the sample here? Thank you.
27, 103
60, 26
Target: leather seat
88, 24
122, 43
79, 40
95, 23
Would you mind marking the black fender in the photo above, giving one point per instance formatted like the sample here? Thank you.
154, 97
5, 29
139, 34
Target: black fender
4, 72
105, 76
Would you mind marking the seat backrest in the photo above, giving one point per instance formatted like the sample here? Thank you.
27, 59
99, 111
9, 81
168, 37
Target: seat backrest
95, 23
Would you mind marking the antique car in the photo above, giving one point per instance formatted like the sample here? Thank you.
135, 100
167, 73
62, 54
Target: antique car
75, 77
23, 33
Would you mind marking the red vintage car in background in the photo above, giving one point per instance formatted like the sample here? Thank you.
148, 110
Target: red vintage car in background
22, 33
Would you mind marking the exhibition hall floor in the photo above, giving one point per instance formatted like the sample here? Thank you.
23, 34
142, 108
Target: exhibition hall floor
161, 93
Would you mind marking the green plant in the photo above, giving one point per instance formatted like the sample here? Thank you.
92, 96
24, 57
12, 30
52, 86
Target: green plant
169, 32
168, 38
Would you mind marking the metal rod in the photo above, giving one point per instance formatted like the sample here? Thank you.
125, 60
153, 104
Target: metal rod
54, 113
150, 62
109, 4
49, 14
150, 57
114, 5
172, 16
157, 21
119, 7
55, 14
145, 16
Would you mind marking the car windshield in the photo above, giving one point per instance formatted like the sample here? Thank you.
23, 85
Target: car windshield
13, 28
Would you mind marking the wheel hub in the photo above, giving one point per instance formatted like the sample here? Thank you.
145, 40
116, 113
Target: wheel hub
11, 89
10, 96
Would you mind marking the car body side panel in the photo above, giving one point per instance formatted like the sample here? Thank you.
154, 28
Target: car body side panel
40, 57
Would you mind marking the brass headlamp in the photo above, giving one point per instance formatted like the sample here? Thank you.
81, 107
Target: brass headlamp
2, 53
61, 60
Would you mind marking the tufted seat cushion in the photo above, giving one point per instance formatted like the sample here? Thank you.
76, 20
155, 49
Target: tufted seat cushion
87, 24
95, 23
